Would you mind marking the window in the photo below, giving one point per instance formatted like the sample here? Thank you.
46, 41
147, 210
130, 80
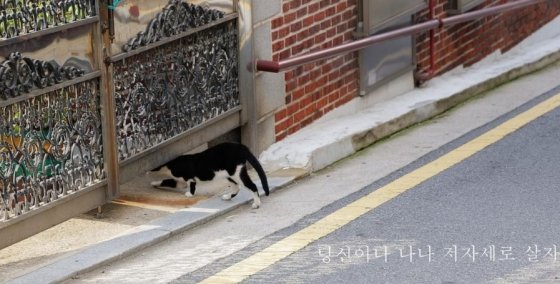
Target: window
387, 60
461, 6
381, 14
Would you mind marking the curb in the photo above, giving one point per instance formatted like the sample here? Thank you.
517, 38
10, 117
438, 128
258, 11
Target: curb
427, 111
142, 236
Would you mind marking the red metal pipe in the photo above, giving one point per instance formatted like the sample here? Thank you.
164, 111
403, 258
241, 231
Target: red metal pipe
272, 66
275, 67
267, 66
432, 38
421, 76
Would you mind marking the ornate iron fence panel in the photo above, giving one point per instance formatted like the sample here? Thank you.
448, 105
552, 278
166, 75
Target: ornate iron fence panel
176, 17
20, 75
50, 146
19, 17
165, 91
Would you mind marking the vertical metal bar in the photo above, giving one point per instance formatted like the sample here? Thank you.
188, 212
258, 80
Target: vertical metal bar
252, 123
102, 47
366, 19
111, 5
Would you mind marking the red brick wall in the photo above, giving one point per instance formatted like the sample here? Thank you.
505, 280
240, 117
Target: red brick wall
314, 89
306, 25
468, 43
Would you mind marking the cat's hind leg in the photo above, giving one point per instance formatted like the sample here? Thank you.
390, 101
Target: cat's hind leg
247, 182
241, 179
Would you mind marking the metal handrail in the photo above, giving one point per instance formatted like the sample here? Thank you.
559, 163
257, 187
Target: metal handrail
279, 66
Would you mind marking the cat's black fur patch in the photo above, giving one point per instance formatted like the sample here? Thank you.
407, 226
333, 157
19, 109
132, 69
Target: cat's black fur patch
204, 165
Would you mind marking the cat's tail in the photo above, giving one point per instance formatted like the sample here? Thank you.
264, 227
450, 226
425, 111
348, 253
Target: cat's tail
260, 171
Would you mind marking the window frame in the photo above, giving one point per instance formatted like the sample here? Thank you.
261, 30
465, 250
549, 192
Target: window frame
462, 6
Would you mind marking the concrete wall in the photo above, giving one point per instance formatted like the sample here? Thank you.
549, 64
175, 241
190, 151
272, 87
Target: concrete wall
269, 87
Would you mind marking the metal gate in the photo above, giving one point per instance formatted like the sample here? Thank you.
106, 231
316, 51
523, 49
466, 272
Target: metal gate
175, 72
93, 93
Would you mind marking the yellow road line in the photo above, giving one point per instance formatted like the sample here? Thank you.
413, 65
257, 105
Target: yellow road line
285, 247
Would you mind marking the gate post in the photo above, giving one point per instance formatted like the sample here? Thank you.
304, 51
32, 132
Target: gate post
249, 124
267, 91
102, 49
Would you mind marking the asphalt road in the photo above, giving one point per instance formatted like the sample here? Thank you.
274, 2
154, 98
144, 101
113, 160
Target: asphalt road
490, 218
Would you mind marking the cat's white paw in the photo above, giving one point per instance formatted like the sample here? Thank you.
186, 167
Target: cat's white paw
256, 200
155, 183
226, 196
188, 194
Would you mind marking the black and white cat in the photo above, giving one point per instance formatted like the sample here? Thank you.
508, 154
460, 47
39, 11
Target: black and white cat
226, 160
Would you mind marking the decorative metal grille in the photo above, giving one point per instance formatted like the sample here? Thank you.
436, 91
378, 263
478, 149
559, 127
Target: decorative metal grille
50, 146
22, 17
20, 74
176, 17
167, 90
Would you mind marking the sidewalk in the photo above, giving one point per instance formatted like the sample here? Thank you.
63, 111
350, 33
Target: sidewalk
84, 243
